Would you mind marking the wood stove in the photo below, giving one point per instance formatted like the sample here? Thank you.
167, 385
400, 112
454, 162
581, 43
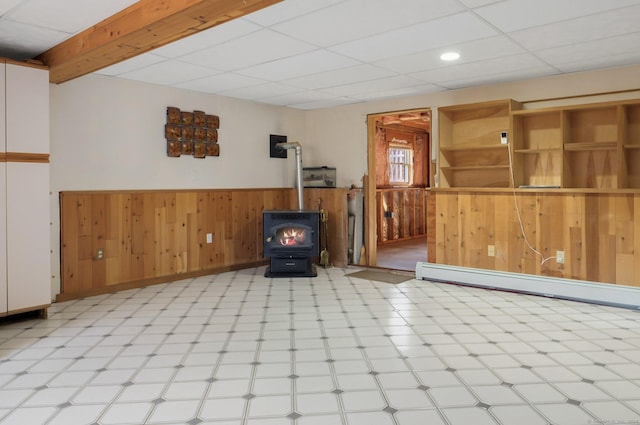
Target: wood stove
291, 242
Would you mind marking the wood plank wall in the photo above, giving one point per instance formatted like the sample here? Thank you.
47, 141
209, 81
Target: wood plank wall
157, 236
598, 232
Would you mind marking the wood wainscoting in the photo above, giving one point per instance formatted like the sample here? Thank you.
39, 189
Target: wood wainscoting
598, 231
114, 240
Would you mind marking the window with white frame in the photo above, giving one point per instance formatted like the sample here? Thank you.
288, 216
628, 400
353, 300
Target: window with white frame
400, 164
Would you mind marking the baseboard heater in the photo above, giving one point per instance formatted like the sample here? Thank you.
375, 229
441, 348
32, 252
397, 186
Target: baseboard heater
569, 289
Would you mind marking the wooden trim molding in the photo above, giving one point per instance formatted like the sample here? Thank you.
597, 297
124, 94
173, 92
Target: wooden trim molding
24, 157
143, 26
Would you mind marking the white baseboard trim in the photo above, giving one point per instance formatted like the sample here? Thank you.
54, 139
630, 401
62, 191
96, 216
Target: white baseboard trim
570, 289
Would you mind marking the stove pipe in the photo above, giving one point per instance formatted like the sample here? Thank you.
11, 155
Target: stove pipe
298, 148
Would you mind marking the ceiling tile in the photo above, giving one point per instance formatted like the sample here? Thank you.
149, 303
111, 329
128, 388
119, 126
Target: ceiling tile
260, 91
208, 38
399, 92
513, 15
138, 62
328, 103
472, 51
607, 24
218, 83
303, 97
501, 77
429, 35
494, 66
7, 5
355, 19
168, 72
69, 16
20, 41
299, 65
621, 46
339, 77
478, 3
286, 10
250, 50
382, 84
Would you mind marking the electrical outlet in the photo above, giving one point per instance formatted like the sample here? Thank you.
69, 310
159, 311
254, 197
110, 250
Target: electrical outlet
99, 254
209, 237
491, 250
560, 257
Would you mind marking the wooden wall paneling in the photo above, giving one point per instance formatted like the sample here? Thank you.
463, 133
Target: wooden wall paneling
149, 213
501, 233
98, 236
430, 218
575, 238
606, 259
334, 201
593, 236
463, 245
146, 236
636, 241
476, 219
597, 231
624, 239
69, 229
551, 219
454, 237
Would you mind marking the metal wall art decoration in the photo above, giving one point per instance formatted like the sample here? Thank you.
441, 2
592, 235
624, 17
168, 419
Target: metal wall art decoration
191, 133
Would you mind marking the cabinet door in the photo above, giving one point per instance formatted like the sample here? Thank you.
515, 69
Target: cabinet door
28, 256
3, 128
3, 199
3, 239
27, 100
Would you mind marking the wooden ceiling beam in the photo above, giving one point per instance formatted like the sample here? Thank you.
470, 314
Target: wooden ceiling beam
143, 26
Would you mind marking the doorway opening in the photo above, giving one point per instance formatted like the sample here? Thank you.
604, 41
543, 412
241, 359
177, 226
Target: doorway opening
396, 194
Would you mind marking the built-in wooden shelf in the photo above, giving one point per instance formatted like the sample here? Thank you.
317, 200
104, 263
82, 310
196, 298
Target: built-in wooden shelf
476, 167
537, 151
588, 146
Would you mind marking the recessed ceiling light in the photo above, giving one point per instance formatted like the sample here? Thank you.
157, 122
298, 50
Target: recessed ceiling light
450, 56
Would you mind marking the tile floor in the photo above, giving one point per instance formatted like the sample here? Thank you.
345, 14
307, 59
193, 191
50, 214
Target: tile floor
239, 349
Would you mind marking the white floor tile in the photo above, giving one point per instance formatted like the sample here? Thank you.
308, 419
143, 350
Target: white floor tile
612, 412
565, 414
468, 415
408, 399
278, 405
419, 417
77, 415
452, 396
238, 348
521, 415
126, 413
369, 418
316, 403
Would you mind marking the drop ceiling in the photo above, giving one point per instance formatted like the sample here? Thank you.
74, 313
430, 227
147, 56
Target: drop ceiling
311, 54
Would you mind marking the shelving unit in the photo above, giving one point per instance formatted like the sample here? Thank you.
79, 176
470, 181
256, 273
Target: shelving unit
631, 145
471, 153
537, 148
590, 146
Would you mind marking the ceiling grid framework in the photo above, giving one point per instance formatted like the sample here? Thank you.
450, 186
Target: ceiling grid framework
308, 54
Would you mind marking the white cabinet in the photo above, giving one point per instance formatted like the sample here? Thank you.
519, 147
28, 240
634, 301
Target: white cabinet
25, 261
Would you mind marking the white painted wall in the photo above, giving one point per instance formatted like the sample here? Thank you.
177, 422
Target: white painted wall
108, 134
337, 137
